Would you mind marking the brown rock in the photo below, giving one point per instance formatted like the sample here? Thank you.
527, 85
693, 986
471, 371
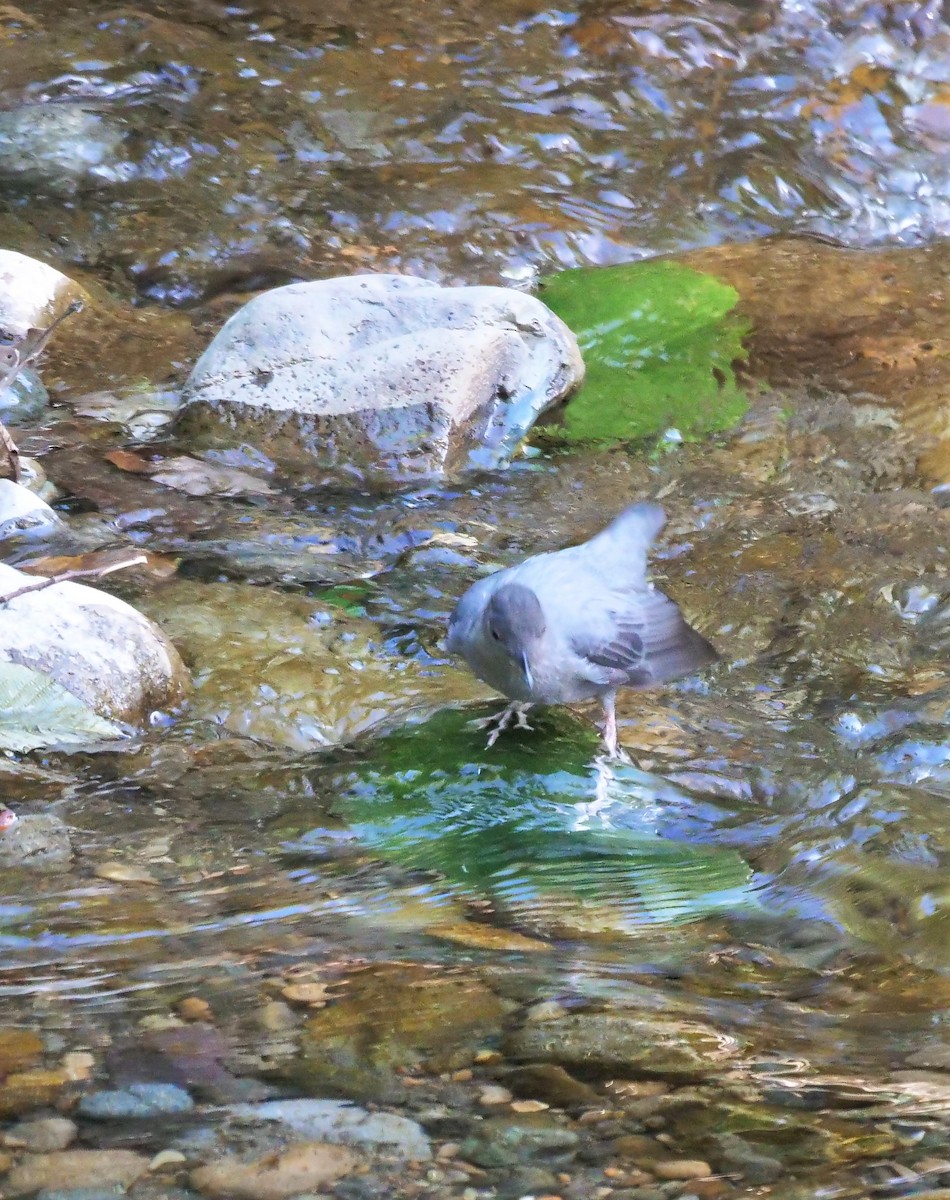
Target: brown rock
681, 1168
76, 1169
640, 1148
31, 1089
302, 1168
19, 1048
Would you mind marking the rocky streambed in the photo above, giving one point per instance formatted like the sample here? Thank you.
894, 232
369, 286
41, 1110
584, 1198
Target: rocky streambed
273, 920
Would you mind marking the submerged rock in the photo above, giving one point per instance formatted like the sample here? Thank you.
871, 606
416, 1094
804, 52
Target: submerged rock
381, 379
40, 841
137, 1101
288, 671
625, 1043
393, 1017
74, 1169
303, 1167
59, 148
76, 663
341, 1122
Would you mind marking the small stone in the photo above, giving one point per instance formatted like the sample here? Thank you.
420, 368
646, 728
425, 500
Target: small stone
118, 872
78, 1064
30, 1089
528, 1106
304, 1166
448, 1151
640, 1148
546, 1010
76, 1169
194, 1008
314, 995
487, 937
276, 1016
681, 1168
166, 1158
42, 1134
493, 1094
19, 1048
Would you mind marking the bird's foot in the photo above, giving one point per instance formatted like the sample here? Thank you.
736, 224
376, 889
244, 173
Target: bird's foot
498, 722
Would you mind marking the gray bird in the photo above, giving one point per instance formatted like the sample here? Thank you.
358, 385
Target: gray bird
577, 623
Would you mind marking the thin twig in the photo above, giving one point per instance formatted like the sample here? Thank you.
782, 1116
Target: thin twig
76, 573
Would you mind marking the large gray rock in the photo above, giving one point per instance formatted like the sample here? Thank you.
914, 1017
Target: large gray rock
381, 379
84, 661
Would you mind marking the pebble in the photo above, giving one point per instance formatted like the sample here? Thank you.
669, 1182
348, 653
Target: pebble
166, 1158
341, 1123
492, 1094
681, 1168
137, 1101
277, 1016
546, 1010
43, 1134
194, 1008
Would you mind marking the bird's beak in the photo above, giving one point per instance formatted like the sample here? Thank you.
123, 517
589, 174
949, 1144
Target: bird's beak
523, 662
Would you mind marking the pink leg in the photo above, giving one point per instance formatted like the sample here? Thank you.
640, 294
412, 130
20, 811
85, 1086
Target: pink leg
609, 728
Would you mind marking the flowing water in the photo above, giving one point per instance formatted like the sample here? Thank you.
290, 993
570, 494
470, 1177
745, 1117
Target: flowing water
765, 887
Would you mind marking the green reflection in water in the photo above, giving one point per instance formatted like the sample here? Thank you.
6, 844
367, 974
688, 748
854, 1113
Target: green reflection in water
537, 822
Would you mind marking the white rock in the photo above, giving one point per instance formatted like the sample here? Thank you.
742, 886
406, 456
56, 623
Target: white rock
97, 647
340, 1122
382, 378
23, 512
31, 293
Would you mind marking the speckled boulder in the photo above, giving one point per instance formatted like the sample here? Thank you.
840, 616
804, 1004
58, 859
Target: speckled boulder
381, 379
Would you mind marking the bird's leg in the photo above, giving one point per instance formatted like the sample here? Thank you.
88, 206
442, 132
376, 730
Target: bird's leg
609, 727
498, 722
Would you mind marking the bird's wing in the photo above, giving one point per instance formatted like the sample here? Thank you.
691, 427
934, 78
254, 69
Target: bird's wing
638, 639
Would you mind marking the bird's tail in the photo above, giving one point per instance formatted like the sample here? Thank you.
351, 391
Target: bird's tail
625, 542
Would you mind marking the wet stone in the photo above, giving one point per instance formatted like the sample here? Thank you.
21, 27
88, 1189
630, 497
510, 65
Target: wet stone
302, 1167
341, 1123
618, 1043
137, 1101
390, 1018
755, 1167
39, 841
44, 1134
381, 379
551, 1083
100, 1169
505, 1141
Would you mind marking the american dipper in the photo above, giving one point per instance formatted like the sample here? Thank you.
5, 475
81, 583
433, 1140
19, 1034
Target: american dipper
577, 623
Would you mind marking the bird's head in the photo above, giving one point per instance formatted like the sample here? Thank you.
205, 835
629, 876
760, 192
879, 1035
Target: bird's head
514, 623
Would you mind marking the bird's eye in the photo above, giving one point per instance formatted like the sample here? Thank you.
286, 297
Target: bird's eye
496, 635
